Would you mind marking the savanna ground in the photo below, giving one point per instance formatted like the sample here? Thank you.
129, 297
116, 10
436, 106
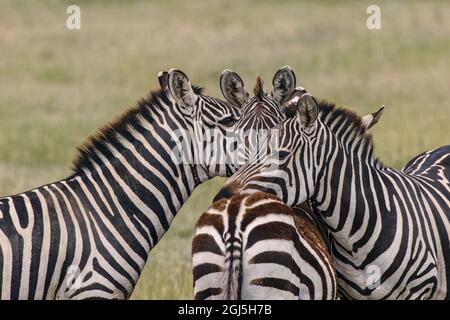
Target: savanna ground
57, 86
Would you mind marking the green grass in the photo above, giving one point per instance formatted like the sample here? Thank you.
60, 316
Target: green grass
57, 86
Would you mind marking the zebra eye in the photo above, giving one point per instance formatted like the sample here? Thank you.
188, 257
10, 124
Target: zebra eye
228, 121
283, 154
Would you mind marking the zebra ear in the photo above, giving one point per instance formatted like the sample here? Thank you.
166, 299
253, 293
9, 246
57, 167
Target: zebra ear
372, 118
163, 79
232, 88
283, 84
289, 107
307, 110
180, 88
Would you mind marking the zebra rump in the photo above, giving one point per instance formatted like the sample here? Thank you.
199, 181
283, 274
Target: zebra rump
254, 246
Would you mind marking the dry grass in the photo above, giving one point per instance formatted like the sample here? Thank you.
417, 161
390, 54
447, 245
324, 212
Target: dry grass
56, 86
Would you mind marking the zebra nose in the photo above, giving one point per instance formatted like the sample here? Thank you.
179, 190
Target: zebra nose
224, 193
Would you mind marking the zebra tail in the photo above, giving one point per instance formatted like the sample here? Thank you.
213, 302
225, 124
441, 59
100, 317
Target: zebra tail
234, 270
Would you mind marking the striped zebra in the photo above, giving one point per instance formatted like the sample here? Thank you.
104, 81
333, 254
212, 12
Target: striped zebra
89, 236
389, 228
256, 247
212, 270
286, 106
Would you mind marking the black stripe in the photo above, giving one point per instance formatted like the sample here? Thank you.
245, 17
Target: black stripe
205, 269
55, 238
280, 284
205, 294
205, 243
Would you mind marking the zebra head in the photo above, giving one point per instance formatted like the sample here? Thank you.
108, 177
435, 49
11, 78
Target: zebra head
259, 112
222, 133
298, 149
205, 135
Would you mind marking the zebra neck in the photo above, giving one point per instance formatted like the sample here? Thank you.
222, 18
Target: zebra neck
139, 204
349, 196
142, 163
140, 189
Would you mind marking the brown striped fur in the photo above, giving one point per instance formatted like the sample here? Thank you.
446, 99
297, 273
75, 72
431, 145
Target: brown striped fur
302, 229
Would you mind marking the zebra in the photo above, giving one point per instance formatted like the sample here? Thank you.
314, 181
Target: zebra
254, 246
88, 236
272, 118
389, 228
211, 270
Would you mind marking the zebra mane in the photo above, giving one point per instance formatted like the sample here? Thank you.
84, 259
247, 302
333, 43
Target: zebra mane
329, 113
99, 140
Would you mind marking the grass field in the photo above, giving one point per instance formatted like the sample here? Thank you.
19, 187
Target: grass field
57, 86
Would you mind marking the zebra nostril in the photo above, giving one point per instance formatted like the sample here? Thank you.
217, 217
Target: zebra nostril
224, 193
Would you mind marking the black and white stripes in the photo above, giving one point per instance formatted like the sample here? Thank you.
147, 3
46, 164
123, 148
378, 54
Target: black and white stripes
89, 236
256, 247
390, 229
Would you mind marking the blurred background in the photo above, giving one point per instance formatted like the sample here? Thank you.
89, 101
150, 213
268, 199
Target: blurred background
59, 85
